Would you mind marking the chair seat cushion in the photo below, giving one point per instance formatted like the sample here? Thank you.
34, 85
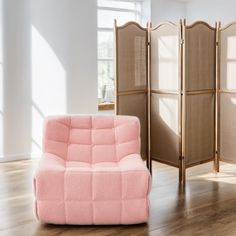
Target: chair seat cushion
73, 192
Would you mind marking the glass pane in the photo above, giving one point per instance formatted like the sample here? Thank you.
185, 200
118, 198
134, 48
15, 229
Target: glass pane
105, 45
119, 4
106, 81
131, 12
106, 18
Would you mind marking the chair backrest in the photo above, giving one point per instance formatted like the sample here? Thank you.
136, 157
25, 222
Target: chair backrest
92, 139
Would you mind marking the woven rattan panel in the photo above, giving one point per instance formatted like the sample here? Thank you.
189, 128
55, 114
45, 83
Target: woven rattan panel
136, 105
164, 128
228, 100
165, 57
200, 57
165, 107
131, 58
228, 127
228, 58
199, 128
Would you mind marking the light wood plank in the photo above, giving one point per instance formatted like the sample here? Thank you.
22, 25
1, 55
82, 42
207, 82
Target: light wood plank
206, 206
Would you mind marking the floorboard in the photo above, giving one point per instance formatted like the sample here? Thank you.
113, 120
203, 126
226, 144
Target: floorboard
206, 205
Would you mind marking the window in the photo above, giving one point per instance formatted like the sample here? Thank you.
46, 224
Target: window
107, 11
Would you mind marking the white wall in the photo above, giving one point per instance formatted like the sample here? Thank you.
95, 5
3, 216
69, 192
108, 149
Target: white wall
49, 67
193, 10
69, 28
146, 12
48, 52
16, 111
167, 10
211, 10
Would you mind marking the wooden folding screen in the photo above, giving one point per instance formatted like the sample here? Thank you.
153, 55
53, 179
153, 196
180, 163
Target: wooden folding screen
183, 94
182, 85
132, 74
227, 93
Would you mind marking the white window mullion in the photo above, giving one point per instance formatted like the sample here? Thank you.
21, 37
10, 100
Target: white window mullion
106, 15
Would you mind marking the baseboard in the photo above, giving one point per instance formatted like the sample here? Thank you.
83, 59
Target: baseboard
8, 158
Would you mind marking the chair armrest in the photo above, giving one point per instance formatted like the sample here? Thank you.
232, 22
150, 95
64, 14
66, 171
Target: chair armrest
132, 162
50, 162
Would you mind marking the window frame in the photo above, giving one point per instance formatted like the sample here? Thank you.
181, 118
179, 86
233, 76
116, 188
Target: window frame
138, 16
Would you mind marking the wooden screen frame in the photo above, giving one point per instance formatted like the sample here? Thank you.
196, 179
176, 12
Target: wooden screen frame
182, 93
170, 92
220, 92
185, 92
133, 92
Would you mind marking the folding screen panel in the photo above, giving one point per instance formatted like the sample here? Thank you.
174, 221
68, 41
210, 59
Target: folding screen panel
227, 91
131, 75
172, 89
199, 93
165, 93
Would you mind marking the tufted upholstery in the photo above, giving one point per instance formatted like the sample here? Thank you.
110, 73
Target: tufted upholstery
91, 172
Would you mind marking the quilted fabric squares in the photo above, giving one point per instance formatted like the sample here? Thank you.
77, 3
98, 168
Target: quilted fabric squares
91, 172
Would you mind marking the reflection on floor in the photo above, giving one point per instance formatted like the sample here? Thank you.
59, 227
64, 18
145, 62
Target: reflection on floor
206, 206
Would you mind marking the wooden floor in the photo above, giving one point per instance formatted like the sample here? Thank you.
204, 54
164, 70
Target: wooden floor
206, 206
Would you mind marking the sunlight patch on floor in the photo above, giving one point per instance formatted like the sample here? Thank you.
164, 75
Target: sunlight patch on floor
227, 174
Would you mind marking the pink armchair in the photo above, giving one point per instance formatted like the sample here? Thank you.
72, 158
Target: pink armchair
91, 172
